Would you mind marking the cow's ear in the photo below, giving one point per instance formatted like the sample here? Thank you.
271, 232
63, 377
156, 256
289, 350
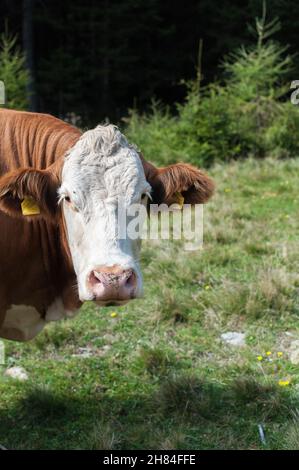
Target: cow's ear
172, 182
29, 193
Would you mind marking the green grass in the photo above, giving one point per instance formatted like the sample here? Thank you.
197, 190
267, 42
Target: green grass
159, 375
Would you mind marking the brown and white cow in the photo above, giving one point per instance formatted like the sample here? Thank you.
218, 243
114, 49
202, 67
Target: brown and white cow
66, 254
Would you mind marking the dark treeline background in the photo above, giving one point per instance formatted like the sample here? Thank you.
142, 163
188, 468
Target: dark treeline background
97, 58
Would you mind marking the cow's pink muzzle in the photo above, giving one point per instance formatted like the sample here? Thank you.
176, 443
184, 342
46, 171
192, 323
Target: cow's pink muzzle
112, 284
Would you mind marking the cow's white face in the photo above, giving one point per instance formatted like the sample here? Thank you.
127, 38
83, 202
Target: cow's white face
101, 170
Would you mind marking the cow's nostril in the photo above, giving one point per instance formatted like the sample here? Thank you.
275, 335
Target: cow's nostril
131, 280
95, 278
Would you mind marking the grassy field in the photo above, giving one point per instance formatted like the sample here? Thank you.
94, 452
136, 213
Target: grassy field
158, 375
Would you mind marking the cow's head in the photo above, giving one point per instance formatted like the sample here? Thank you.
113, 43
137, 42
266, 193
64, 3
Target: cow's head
99, 171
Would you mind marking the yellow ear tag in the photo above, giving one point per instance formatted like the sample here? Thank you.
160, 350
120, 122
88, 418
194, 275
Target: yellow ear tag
179, 199
29, 207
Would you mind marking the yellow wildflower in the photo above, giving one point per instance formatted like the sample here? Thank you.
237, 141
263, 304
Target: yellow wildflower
113, 314
283, 383
268, 353
259, 358
279, 354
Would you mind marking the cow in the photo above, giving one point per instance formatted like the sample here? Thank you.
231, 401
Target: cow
58, 193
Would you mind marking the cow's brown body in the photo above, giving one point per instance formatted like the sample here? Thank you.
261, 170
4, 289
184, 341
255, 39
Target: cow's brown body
34, 269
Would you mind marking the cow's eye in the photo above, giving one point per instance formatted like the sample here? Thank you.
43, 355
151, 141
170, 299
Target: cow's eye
70, 203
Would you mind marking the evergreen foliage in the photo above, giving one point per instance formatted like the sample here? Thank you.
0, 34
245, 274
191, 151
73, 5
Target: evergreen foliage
247, 113
13, 73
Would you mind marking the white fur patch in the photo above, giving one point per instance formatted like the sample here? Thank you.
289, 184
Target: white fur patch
57, 312
22, 322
